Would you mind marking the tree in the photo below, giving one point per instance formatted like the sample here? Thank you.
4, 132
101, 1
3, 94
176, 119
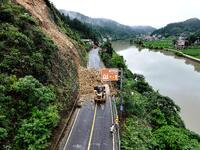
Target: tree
158, 118
136, 134
26, 111
172, 138
108, 47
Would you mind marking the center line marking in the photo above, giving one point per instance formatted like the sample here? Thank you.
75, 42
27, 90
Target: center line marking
91, 133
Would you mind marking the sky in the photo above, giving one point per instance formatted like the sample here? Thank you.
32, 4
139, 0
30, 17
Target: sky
156, 13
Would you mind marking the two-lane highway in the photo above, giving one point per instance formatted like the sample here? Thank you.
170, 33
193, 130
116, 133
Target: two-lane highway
78, 138
102, 138
90, 129
94, 60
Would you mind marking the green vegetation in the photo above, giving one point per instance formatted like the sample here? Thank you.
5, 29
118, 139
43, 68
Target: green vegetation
169, 137
73, 29
108, 28
176, 29
151, 121
192, 51
83, 30
188, 28
160, 44
168, 44
194, 37
115, 31
28, 113
37, 83
178, 54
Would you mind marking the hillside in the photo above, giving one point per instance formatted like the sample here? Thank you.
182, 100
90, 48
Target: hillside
109, 28
184, 28
143, 29
40, 59
150, 121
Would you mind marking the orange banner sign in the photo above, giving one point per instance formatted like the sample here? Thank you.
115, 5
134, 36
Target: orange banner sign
109, 74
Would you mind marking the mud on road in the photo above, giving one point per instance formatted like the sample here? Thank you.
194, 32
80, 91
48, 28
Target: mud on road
88, 79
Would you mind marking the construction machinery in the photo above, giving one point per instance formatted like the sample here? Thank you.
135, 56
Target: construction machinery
100, 94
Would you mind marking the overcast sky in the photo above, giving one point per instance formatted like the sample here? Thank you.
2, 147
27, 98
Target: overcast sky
156, 13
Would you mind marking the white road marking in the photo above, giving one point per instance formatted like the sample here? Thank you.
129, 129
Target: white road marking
112, 122
71, 130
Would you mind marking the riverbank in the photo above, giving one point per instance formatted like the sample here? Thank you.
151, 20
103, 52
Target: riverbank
166, 44
149, 115
181, 54
176, 52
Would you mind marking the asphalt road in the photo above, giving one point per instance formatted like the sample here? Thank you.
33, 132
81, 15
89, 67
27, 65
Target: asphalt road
80, 132
102, 138
91, 127
94, 60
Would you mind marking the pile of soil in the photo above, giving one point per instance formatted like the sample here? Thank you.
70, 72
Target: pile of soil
88, 79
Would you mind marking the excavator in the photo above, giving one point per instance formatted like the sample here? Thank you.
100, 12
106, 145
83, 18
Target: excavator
100, 94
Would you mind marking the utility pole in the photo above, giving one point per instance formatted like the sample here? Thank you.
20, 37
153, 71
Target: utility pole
121, 87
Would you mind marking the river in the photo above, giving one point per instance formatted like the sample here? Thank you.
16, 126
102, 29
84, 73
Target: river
175, 77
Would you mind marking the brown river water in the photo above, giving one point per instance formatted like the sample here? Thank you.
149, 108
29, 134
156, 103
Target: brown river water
175, 77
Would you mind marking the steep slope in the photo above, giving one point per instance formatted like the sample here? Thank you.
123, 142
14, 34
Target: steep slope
184, 28
39, 80
40, 11
109, 28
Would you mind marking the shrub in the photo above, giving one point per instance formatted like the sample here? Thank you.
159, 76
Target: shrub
35, 132
136, 134
152, 121
172, 138
31, 114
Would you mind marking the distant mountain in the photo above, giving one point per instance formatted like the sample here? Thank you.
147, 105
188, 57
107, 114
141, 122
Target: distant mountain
184, 28
143, 29
109, 28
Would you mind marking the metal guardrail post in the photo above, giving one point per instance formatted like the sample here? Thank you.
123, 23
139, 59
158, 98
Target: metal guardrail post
115, 116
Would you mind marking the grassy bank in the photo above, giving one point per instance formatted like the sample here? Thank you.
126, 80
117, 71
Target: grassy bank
167, 44
151, 121
160, 44
193, 51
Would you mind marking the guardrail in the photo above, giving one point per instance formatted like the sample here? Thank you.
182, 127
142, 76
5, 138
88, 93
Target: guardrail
116, 122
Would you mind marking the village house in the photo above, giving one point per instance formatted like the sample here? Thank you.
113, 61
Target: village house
180, 44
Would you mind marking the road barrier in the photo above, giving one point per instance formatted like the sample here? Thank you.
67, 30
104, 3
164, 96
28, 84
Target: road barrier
116, 121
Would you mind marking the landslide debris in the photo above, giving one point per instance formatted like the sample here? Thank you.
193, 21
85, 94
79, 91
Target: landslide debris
64, 59
40, 11
88, 79
38, 79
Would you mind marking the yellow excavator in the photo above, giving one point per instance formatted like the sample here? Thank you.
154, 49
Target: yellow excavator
100, 94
